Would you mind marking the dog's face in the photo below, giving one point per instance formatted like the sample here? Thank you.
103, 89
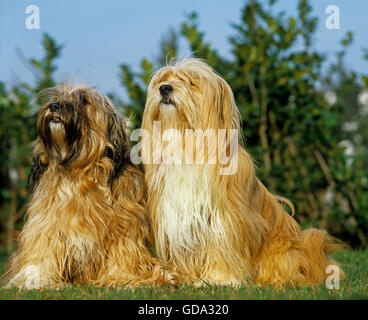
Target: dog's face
77, 127
63, 121
190, 95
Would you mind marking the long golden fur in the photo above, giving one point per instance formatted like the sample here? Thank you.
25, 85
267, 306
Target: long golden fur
86, 220
223, 229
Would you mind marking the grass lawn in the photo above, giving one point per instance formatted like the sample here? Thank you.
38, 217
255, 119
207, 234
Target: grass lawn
355, 286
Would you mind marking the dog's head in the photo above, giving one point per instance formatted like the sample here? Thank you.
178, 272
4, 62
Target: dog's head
190, 95
78, 127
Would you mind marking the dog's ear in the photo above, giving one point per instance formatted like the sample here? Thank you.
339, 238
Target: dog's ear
228, 111
118, 144
38, 167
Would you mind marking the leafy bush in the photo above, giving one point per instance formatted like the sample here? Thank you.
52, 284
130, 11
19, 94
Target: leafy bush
296, 116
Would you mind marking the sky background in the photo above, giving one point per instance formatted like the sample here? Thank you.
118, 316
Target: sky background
100, 35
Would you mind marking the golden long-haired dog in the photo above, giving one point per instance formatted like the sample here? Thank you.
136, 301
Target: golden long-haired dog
86, 220
213, 227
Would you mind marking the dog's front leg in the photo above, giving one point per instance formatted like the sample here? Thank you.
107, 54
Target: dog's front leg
29, 268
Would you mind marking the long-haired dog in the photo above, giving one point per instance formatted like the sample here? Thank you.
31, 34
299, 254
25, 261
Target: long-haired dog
220, 228
86, 220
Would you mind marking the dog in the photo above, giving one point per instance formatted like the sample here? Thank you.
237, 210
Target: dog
220, 229
87, 217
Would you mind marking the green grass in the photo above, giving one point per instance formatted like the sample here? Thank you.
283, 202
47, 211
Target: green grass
355, 286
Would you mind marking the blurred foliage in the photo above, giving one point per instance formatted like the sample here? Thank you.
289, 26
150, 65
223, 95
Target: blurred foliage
18, 117
303, 119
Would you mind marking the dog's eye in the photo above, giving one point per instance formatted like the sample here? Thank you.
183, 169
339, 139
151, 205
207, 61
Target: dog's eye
84, 100
193, 84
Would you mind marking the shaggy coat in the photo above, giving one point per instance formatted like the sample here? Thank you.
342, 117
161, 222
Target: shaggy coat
212, 227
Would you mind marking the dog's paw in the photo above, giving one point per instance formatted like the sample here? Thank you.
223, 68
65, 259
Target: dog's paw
26, 278
29, 278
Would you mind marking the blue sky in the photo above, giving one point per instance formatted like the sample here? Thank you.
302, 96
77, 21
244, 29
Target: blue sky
99, 35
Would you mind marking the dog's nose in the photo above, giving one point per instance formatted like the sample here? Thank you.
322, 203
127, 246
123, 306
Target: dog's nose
165, 89
54, 107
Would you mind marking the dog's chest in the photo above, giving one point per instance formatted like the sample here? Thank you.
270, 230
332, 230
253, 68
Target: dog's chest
187, 211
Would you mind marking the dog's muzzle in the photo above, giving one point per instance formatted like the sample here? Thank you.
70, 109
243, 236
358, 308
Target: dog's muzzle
165, 91
54, 107
55, 120
54, 116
